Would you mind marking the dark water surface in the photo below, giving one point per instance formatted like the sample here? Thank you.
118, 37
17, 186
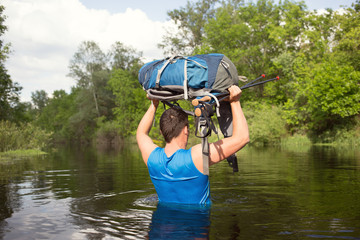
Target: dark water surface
311, 193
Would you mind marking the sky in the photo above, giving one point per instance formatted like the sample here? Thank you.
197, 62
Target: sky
45, 34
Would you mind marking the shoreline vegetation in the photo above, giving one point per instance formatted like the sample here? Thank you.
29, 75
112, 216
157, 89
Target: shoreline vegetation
267, 128
315, 102
18, 154
21, 140
288, 142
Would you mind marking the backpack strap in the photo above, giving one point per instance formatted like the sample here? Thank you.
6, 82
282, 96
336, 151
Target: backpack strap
205, 155
185, 80
203, 128
226, 126
160, 71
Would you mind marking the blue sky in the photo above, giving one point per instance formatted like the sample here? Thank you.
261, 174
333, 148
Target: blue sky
321, 4
157, 9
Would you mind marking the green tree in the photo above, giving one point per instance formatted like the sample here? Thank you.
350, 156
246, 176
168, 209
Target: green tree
125, 57
89, 67
333, 94
253, 35
129, 99
327, 94
191, 21
10, 106
356, 6
9, 96
55, 116
40, 99
323, 92
348, 37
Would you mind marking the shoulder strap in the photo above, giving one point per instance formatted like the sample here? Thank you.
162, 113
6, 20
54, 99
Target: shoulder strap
203, 129
205, 154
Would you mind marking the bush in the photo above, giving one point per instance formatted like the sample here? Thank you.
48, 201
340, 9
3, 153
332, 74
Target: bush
347, 133
107, 131
23, 136
266, 125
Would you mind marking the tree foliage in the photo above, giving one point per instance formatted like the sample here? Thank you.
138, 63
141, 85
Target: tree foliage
129, 99
56, 115
39, 99
125, 58
315, 53
106, 95
191, 21
10, 106
89, 67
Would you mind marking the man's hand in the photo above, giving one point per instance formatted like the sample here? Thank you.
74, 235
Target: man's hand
235, 93
154, 102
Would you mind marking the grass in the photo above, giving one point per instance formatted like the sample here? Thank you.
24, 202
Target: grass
296, 140
20, 154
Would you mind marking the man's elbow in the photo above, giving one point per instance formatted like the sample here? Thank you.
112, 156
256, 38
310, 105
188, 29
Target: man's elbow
244, 141
139, 136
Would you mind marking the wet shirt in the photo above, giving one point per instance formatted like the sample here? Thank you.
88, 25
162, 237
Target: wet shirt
176, 179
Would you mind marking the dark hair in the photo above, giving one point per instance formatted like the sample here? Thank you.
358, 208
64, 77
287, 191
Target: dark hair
172, 121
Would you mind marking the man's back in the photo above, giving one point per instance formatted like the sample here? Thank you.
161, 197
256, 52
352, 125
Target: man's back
176, 179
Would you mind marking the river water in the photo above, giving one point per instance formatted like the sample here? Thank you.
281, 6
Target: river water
304, 193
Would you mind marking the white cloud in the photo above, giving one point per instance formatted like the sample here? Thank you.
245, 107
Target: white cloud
45, 34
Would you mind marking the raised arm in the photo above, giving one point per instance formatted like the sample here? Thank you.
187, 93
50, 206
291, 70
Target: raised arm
143, 139
222, 149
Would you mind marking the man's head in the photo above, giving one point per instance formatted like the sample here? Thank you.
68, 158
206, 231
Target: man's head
172, 122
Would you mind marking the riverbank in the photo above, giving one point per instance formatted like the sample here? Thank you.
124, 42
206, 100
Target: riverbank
20, 154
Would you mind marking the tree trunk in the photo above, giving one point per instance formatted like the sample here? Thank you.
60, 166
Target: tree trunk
96, 103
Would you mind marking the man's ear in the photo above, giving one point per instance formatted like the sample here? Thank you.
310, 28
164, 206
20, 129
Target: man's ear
185, 130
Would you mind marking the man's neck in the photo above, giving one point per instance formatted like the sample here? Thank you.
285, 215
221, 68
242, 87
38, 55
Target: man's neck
173, 146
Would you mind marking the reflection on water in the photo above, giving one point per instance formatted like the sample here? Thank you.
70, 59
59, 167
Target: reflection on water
180, 222
108, 215
277, 194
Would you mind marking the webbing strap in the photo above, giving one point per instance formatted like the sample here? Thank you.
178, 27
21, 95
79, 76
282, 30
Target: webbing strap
162, 69
185, 80
205, 155
203, 130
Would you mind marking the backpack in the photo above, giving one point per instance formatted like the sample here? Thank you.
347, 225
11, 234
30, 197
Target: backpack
199, 76
188, 77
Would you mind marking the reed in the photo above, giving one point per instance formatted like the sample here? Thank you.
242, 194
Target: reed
22, 137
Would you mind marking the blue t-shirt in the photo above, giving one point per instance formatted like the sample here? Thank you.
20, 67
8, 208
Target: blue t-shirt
176, 179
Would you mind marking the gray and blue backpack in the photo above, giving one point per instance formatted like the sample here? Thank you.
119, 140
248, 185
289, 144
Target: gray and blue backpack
190, 77
182, 77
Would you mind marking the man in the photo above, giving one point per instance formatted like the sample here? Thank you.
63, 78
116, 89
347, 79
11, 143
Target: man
177, 173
